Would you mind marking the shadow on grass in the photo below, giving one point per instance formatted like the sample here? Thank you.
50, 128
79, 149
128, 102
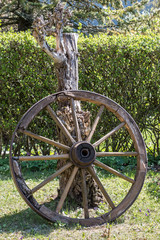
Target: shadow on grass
24, 221
29, 224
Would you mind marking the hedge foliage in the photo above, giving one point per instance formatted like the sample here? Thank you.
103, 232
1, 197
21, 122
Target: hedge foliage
124, 68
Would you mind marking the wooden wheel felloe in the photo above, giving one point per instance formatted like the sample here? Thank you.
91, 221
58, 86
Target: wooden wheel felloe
79, 154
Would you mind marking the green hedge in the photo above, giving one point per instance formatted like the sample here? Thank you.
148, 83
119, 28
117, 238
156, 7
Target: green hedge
124, 68
27, 75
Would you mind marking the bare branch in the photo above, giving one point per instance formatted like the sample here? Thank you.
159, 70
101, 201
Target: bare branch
39, 33
43, 28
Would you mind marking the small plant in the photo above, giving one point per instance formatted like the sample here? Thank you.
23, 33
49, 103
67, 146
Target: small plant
107, 232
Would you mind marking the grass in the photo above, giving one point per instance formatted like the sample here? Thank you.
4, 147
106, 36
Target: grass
140, 222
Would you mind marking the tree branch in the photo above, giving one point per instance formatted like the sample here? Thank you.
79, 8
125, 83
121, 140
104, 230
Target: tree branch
4, 24
43, 28
8, 18
40, 33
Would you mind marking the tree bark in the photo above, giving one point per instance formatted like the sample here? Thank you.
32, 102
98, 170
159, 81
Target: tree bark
67, 71
67, 74
65, 57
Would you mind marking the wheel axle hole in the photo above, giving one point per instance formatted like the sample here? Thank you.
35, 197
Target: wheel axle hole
85, 152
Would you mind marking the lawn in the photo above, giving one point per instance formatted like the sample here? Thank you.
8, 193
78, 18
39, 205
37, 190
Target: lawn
140, 222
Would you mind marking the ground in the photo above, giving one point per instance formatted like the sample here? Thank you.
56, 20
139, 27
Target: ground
140, 222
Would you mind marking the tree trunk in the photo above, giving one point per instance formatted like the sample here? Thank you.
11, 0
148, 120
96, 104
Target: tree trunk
65, 58
67, 74
67, 71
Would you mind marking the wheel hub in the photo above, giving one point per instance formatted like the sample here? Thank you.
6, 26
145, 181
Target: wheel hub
82, 154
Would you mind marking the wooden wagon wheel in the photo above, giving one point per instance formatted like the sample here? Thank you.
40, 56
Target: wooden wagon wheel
80, 155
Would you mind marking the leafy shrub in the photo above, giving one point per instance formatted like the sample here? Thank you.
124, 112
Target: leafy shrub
124, 68
26, 74
4, 166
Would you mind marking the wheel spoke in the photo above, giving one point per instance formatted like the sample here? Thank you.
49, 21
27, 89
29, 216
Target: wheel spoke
84, 194
64, 195
104, 154
35, 158
107, 197
60, 124
50, 178
111, 170
78, 133
46, 140
95, 123
109, 134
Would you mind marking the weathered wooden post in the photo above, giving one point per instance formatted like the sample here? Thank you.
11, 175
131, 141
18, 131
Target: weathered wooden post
65, 58
78, 150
